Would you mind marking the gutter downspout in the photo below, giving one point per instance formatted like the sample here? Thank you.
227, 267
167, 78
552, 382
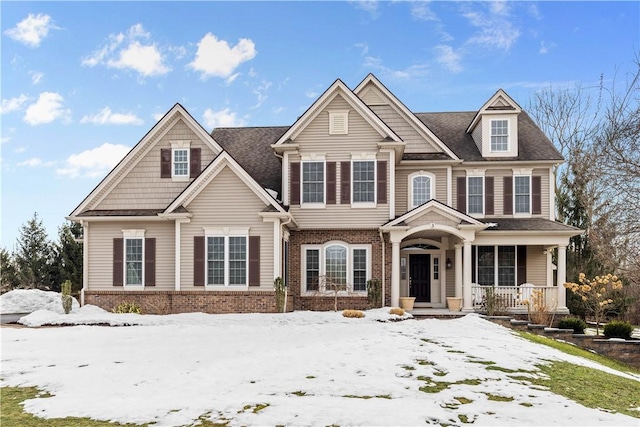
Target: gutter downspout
384, 261
282, 224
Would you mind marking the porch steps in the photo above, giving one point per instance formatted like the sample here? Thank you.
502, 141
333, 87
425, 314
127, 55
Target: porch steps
436, 313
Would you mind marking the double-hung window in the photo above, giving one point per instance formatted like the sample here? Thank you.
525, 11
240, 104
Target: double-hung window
313, 182
180, 162
336, 266
475, 195
134, 256
496, 265
499, 135
227, 260
421, 185
522, 194
364, 182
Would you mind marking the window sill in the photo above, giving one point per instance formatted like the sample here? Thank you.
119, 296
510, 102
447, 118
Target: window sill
180, 178
312, 206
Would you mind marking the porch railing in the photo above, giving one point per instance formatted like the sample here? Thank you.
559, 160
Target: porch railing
513, 298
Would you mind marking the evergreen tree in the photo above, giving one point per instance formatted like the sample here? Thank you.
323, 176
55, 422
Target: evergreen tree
9, 277
69, 255
34, 255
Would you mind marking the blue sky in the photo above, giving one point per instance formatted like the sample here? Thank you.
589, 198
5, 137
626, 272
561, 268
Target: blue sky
82, 82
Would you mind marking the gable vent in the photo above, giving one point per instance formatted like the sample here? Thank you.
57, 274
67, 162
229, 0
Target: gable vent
338, 122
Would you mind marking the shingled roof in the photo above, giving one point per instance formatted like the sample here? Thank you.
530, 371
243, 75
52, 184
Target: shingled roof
251, 148
451, 128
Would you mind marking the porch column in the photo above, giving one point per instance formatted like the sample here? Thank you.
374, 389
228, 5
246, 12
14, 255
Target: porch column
458, 271
467, 303
395, 273
562, 278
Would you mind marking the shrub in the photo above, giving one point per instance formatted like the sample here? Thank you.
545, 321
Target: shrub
353, 313
618, 329
397, 310
578, 325
67, 300
281, 294
127, 307
374, 293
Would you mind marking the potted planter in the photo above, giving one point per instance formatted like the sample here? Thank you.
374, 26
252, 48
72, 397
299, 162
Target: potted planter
407, 303
454, 303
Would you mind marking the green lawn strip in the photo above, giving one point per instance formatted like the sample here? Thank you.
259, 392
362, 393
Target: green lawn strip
12, 413
378, 396
581, 352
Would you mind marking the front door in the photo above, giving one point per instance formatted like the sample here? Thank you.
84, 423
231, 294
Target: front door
420, 277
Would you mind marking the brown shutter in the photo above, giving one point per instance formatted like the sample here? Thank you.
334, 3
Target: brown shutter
294, 180
382, 182
345, 183
462, 194
165, 163
150, 262
195, 160
331, 183
536, 195
254, 260
521, 273
508, 195
488, 195
198, 260
118, 262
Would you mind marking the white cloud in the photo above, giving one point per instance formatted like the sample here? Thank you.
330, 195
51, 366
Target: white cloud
13, 104
411, 72
544, 47
157, 116
35, 162
495, 30
32, 30
107, 117
36, 77
215, 58
222, 118
5, 139
261, 93
311, 94
421, 10
95, 162
130, 51
369, 6
449, 58
46, 109
364, 48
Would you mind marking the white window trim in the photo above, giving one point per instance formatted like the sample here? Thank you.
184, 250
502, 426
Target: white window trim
508, 149
313, 159
484, 195
133, 234
175, 146
364, 158
333, 114
226, 233
522, 173
323, 267
432, 189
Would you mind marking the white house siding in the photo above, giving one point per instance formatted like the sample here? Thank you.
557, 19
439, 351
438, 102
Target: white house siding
100, 247
536, 266
372, 96
402, 183
142, 187
226, 202
415, 142
431, 218
476, 133
362, 138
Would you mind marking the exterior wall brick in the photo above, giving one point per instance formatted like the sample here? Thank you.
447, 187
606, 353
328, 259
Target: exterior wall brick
171, 302
320, 237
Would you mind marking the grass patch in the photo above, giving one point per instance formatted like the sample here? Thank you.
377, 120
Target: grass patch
12, 412
526, 404
578, 351
610, 392
482, 362
254, 408
378, 396
465, 419
463, 400
438, 386
505, 370
299, 393
408, 368
455, 351
498, 398
424, 362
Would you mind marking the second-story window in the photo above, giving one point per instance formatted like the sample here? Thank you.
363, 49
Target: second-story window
313, 182
421, 188
475, 195
363, 181
499, 135
522, 194
180, 162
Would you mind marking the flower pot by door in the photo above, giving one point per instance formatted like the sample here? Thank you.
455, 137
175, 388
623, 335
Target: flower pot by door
407, 303
454, 304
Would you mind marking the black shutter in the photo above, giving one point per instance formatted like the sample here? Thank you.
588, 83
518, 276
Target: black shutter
165, 163
488, 195
382, 182
254, 260
150, 261
521, 273
195, 162
345, 183
294, 180
508, 195
118, 262
536, 195
462, 194
198, 260
331, 183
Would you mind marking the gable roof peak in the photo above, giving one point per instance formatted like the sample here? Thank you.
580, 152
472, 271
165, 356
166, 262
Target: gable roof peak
499, 103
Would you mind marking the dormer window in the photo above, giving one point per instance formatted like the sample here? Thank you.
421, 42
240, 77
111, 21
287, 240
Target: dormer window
181, 162
499, 135
339, 122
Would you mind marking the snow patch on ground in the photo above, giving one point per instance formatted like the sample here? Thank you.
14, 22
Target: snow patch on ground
30, 300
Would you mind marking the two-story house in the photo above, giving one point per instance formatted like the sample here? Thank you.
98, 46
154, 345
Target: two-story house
433, 205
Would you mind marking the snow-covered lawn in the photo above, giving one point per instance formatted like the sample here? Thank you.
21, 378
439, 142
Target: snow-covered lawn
301, 368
